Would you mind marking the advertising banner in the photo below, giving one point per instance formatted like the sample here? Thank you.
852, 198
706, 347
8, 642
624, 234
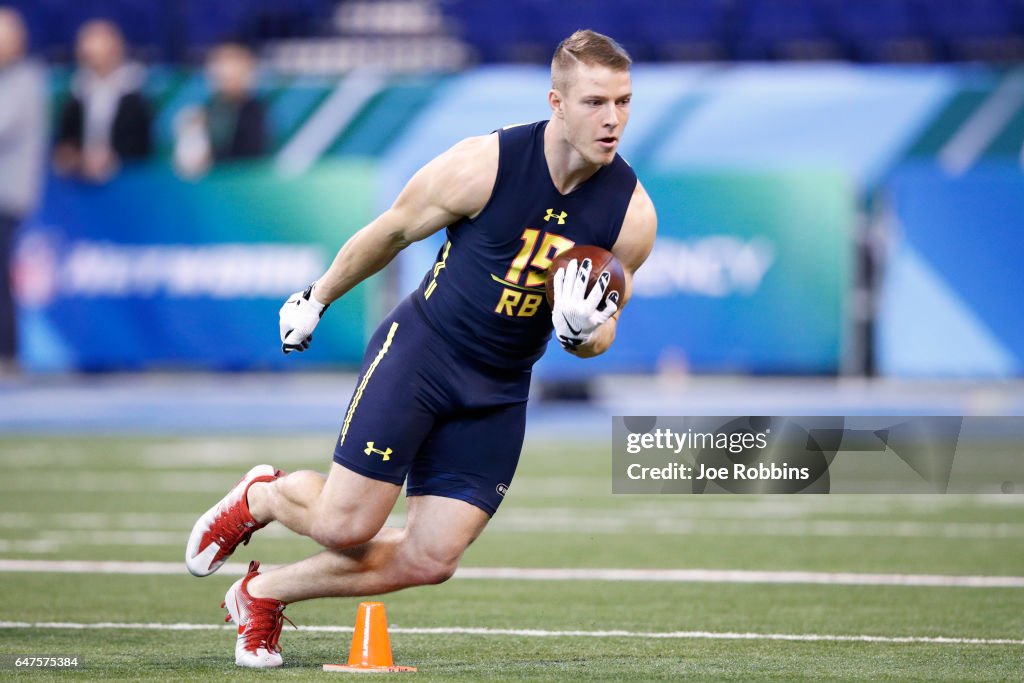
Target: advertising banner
750, 274
149, 271
949, 305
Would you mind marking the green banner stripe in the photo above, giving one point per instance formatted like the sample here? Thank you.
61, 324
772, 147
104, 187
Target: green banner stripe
293, 107
957, 111
1010, 139
385, 117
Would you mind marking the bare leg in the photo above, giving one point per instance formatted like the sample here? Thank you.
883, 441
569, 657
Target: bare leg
426, 551
289, 499
337, 511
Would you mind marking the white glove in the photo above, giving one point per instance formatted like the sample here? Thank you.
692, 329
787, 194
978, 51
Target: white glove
575, 314
299, 316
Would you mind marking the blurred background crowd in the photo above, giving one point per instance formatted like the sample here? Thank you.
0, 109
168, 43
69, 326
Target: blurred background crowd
839, 181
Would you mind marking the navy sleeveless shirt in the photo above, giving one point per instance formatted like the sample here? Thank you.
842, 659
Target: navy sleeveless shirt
485, 293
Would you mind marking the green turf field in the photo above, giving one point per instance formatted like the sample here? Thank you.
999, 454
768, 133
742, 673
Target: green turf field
134, 499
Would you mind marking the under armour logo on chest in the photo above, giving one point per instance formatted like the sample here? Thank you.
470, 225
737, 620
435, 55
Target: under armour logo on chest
560, 216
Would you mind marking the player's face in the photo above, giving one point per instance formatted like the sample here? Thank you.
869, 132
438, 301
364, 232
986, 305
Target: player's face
596, 109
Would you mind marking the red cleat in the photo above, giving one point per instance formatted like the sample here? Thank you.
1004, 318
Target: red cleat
259, 622
226, 525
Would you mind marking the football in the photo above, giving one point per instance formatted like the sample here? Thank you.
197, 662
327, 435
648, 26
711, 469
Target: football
601, 259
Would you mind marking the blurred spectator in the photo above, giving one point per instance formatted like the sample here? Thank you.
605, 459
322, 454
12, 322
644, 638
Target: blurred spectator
23, 117
107, 119
232, 125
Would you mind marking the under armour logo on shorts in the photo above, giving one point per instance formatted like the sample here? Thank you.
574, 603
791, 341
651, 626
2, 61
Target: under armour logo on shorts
370, 450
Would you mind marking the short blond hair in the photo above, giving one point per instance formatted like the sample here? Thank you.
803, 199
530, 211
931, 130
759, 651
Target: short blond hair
585, 47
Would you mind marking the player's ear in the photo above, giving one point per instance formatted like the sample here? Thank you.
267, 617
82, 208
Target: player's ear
555, 100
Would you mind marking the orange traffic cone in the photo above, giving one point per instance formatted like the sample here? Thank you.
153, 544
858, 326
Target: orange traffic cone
371, 646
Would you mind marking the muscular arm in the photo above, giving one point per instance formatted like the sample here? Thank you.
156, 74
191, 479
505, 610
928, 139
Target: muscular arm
455, 184
636, 239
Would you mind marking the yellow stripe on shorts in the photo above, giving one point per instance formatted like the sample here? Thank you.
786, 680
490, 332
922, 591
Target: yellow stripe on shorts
366, 378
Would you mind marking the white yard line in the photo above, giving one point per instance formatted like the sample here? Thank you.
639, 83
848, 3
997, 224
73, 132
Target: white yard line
634, 521
106, 521
539, 633
741, 576
93, 481
28, 545
672, 520
523, 574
